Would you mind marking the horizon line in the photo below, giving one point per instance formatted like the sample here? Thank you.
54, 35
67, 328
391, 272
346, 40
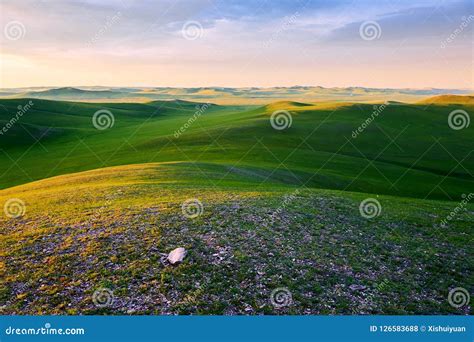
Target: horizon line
236, 87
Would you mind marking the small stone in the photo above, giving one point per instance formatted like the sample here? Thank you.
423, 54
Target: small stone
176, 255
355, 287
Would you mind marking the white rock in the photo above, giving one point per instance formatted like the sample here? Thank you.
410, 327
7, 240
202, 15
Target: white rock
176, 255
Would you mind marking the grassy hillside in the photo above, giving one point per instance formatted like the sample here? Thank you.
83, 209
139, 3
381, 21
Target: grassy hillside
101, 206
449, 100
111, 228
407, 150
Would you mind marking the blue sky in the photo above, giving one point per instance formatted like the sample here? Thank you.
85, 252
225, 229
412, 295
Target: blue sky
237, 43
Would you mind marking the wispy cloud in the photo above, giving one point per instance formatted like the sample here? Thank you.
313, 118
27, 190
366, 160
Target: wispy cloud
240, 43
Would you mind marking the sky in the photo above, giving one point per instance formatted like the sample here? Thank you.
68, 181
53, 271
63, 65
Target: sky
261, 43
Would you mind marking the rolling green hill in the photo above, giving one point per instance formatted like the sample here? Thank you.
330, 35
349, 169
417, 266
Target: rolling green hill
112, 228
408, 150
96, 202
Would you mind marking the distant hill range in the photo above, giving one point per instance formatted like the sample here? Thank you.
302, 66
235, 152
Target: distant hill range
449, 99
222, 95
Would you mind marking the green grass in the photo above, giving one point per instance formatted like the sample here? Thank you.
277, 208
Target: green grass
317, 151
281, 209
111, 227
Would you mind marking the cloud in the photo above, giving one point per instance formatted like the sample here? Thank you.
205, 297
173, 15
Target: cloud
415, 24
296, 38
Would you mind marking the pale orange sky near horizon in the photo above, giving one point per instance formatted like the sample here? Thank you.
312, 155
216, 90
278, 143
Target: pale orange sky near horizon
88, 43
